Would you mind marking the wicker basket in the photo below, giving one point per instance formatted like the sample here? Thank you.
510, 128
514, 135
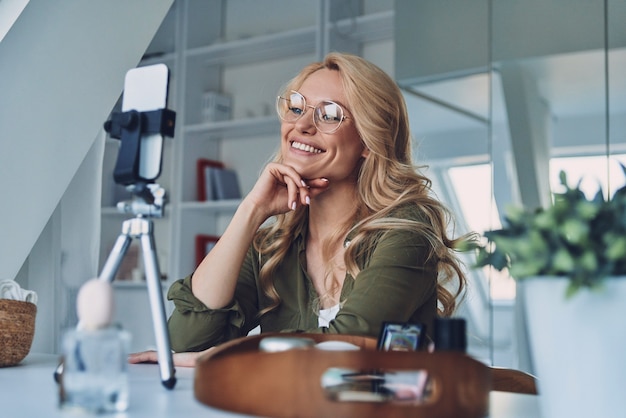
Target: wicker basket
17, 328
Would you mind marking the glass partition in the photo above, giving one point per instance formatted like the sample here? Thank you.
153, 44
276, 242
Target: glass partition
503, 96
442, 66
551, 67
616, 82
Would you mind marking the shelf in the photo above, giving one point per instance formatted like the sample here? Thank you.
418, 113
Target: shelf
258, 48
237, 127
213, 206
111, 212
136, 284
368, 28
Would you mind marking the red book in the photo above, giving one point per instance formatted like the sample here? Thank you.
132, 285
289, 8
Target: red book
204, 166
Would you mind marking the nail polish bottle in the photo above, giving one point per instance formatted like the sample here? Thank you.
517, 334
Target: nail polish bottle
450, 334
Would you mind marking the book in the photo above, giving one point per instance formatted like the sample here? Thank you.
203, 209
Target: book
216, 182
225, 184
204, 178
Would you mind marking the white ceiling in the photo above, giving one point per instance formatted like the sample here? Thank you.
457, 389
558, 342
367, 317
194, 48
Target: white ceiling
9, 11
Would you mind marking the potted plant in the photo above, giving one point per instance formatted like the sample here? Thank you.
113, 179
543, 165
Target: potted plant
569, 261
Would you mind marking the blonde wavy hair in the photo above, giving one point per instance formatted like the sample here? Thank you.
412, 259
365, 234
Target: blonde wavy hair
387, 181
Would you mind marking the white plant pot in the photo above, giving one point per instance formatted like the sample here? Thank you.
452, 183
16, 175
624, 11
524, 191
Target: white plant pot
578, 347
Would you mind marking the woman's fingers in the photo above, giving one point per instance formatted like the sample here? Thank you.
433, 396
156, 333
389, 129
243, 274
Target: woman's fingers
304, 190
292, 192
143, 357
288, 178
185, 359
286, 189
320, 183
315, 187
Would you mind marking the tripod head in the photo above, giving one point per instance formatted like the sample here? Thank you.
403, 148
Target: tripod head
148, 200
141, 126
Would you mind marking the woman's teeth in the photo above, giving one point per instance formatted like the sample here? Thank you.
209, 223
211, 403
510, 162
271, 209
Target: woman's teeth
305, 147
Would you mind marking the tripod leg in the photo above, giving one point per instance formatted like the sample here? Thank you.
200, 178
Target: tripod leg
114, 260
153, 279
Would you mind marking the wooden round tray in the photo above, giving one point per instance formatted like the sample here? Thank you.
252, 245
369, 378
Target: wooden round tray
237, 377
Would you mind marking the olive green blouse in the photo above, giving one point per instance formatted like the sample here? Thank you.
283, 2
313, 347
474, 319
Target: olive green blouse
396, 284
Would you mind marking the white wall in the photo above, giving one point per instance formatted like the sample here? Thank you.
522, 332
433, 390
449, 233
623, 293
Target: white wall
62, 64
9, 11
62, 67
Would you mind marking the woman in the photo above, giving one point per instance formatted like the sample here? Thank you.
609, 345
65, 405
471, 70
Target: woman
354, 236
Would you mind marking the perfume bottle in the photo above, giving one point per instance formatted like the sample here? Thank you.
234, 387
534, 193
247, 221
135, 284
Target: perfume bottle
95, 366
95, 377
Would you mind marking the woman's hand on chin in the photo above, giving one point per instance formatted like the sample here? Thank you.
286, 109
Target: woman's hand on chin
185, 359
316, 186
280, 188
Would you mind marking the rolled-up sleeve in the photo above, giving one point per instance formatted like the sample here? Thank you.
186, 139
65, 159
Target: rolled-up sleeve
195, 327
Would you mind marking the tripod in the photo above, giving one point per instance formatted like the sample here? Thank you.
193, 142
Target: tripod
141, 227
139, 163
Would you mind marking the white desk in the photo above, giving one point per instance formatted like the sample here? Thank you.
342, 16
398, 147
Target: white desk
29, 390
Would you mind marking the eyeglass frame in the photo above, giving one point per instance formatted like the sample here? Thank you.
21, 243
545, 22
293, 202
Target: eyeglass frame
343, 115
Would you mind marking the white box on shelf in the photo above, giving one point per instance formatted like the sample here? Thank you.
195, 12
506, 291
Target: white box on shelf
215, 107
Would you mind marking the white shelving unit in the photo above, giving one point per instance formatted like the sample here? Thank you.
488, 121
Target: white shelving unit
223, 46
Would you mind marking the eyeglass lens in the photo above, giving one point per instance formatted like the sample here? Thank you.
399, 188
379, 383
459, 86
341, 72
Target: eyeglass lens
327, 115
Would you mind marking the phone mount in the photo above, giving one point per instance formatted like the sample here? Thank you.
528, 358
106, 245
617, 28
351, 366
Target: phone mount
131, 127
138, 165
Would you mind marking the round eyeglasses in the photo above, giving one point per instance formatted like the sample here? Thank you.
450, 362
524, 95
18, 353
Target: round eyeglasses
327, 115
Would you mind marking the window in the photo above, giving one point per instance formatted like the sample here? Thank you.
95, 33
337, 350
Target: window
478, 208
593, 171
480, 212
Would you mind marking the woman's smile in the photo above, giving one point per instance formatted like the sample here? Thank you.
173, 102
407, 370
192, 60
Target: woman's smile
306, 147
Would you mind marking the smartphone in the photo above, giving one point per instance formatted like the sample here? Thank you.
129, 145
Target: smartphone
146, 89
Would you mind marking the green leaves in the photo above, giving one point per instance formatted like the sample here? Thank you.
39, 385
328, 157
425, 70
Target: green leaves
583, 239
